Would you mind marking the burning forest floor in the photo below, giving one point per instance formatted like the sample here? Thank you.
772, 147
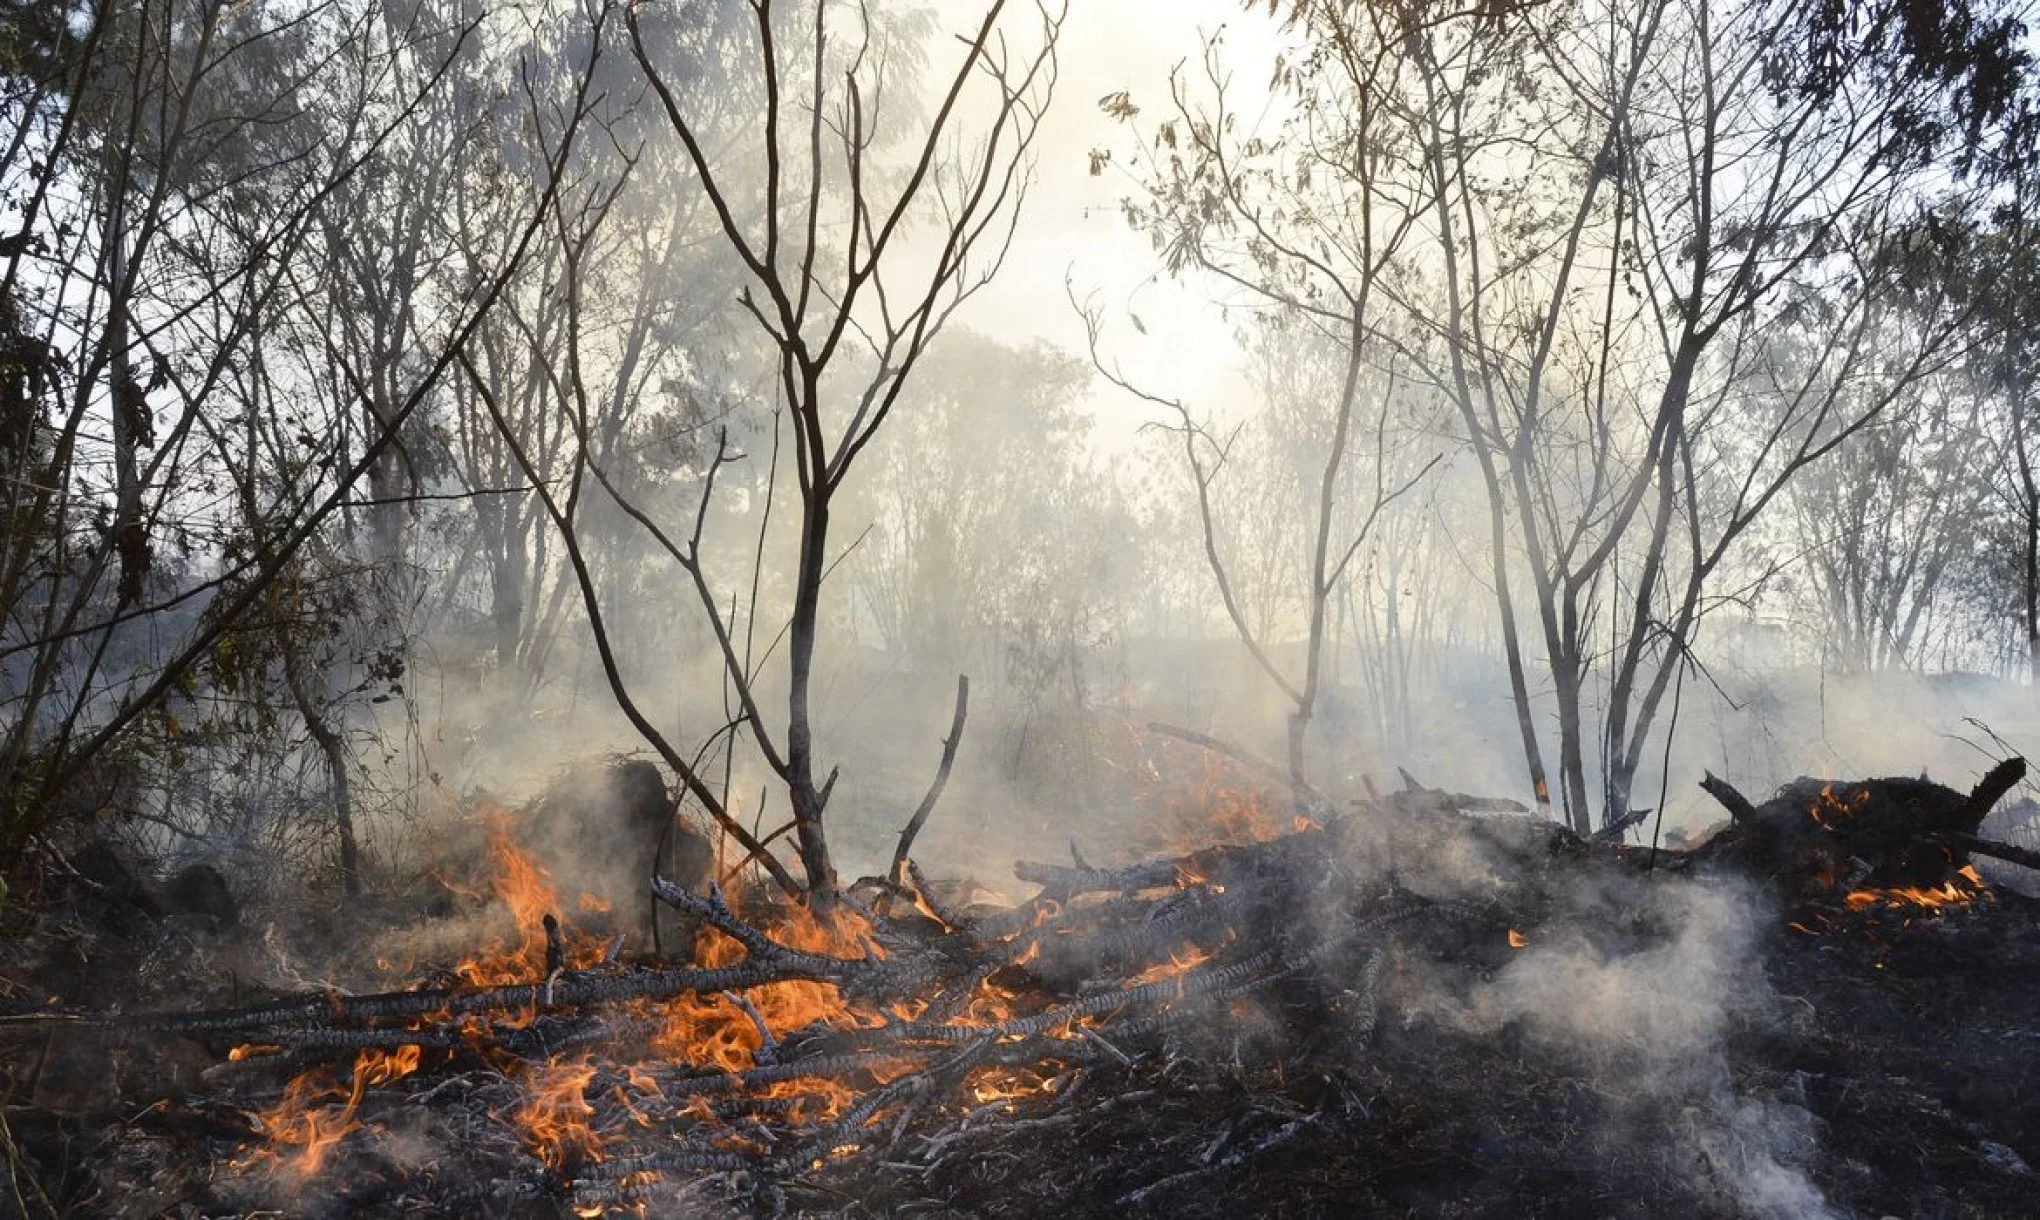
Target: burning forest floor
1403, 1008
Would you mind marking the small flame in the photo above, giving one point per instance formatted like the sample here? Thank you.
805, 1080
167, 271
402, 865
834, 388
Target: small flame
1964, 888
306, 1118
991, 1084
382, 1067
714, 1032
1829, 806
1516, 939
251, 1050
1179, 963
554, 1117
1211, 809
526, 887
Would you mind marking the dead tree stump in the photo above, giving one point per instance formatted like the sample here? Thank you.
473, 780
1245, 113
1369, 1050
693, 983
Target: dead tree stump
1818, 835
600, 828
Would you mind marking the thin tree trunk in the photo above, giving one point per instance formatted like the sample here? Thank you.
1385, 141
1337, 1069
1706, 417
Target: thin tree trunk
335, 751
130, 413
2029, 488
809, 802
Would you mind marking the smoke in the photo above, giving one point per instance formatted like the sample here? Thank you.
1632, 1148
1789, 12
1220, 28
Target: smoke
1645, 987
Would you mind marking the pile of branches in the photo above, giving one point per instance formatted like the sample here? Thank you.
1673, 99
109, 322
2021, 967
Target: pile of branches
974, 1031
1103, 968
1819, 837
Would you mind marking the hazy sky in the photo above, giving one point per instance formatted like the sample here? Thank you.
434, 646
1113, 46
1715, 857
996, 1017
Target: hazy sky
1071, 226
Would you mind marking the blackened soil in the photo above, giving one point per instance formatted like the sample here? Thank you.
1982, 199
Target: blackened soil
1897, 1074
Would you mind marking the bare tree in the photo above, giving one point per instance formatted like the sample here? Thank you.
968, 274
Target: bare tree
850, 269
1887, 521
1593, 334
1578, 226
178, 167
1311, 221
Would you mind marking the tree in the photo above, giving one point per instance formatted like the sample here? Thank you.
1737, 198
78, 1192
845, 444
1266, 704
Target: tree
1577, 225
174, 166
1313, 222
829, 270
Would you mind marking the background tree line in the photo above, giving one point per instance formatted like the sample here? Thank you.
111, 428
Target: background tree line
394, 395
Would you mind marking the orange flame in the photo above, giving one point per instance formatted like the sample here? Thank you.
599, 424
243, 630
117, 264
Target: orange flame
306, 1120
1179, 962
554, 1117
1829, 806
713, 1032
525, 886
1211, 809
1966, 887
990, 1084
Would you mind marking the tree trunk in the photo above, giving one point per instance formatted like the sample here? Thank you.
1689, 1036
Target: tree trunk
1572, 766
335, 751
130, 411
2029, 502
1299, 729
809, 801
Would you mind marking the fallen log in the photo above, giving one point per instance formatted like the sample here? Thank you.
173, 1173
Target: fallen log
2024, 857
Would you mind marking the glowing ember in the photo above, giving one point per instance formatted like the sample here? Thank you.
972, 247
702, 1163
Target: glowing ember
1831, 807
990, 1004
994, 1084
251, 1050
1179, 963
1516, 939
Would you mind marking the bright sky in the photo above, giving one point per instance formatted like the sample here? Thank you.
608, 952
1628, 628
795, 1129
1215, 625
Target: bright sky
1072, 228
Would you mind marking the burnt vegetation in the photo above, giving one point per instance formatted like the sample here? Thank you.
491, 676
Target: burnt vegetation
1405, 1004
587, 627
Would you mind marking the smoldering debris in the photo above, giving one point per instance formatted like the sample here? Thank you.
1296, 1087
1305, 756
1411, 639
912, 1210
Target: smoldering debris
1310, 1020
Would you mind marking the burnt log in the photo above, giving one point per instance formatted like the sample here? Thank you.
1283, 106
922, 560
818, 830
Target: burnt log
1816, 835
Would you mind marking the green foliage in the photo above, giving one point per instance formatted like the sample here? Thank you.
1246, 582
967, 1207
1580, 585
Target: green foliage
1964, 67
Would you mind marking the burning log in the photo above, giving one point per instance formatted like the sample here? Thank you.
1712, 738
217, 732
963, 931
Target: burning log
2021, 856
1897, 834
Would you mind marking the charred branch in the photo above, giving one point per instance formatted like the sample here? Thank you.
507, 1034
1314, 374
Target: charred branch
913, 827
